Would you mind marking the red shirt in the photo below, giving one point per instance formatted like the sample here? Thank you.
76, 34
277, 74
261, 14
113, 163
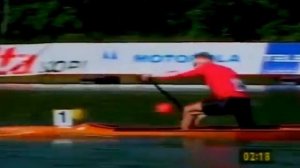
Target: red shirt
222, 81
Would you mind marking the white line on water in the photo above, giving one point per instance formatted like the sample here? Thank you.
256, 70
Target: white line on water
133, 87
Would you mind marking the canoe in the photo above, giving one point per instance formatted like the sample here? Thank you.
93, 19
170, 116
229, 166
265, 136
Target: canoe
283, 132
270, 133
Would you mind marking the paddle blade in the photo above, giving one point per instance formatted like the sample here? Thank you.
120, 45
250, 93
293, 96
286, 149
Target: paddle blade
164, 107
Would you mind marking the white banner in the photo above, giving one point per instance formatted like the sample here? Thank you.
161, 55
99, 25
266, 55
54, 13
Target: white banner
125, 58
69, 59
162, 58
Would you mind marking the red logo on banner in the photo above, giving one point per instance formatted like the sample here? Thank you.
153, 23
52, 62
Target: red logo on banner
13, 63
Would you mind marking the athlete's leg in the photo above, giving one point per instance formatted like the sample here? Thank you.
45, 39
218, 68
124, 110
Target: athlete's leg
241, 109
243, 114
192, 115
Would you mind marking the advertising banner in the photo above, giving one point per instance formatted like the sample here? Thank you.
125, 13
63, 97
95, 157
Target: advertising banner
281, 58
20, 59
164, 58
146, 58
67, 58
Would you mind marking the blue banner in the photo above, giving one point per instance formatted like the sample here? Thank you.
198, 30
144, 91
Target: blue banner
281, 58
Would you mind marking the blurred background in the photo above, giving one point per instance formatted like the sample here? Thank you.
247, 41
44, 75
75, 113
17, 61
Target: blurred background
148, 20
96, 22
89, 55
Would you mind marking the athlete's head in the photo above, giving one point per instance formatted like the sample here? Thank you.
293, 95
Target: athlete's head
202, 58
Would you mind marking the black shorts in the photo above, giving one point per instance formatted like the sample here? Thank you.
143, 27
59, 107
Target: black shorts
240, 108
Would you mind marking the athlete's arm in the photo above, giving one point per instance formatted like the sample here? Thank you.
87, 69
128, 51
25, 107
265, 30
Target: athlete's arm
192, 73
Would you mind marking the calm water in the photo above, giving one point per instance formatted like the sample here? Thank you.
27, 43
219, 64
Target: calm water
140, 153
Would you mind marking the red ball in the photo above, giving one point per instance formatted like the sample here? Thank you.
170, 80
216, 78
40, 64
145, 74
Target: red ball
164, 108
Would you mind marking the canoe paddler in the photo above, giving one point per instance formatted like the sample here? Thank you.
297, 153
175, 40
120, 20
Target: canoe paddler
229, 93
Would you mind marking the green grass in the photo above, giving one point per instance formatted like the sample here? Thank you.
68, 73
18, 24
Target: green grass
128, 108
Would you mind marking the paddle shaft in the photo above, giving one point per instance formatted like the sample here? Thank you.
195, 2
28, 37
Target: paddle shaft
167, 95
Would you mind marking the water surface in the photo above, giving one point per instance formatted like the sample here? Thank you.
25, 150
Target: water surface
141, 153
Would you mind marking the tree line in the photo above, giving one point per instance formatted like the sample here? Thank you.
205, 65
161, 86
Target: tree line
149, 20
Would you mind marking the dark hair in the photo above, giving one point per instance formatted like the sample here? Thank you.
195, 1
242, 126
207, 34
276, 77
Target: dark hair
204, 55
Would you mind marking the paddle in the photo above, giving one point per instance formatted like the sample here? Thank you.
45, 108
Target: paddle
170, 98
180, 107
167, 95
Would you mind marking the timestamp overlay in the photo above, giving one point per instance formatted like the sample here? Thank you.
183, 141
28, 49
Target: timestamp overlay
256, 156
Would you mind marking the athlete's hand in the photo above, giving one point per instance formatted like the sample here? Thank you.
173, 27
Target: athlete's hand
146, 78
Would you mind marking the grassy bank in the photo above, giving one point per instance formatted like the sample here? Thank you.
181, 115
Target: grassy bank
34, 107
